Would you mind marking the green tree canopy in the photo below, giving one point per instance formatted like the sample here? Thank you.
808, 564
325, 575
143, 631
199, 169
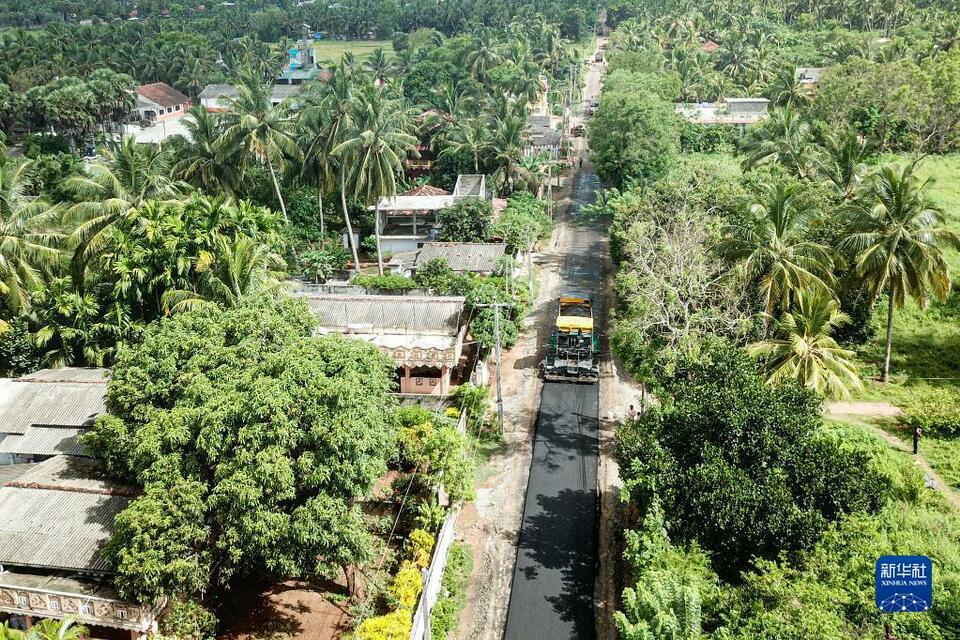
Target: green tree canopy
252, 440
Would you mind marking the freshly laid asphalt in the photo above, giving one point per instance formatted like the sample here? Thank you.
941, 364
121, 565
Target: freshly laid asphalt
552, 597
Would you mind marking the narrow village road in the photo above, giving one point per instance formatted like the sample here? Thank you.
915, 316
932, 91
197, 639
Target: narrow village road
552, 596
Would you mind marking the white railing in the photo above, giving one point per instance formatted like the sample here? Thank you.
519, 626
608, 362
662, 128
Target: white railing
433, 575
433, 580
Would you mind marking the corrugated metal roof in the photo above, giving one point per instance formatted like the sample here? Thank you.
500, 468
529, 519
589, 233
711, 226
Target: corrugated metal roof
68, 374
45, 441
10, 472
474, 257
54, 517
70, 473
406, 315
162, 94
44, 398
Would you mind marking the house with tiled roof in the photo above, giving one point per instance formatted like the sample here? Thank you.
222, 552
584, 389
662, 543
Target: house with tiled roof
159, 102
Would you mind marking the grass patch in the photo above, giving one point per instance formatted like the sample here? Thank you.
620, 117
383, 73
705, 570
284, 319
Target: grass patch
456, 576
333, 50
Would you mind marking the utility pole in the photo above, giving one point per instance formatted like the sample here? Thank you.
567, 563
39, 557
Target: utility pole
496, 338
550, 190
496, 304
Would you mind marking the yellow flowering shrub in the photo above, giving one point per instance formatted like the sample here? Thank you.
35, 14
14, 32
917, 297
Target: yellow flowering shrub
395, 625
419, 547
407, 585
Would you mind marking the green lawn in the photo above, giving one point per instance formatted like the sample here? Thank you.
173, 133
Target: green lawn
334, 49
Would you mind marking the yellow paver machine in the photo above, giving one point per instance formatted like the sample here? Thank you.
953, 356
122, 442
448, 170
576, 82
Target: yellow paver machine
574, 345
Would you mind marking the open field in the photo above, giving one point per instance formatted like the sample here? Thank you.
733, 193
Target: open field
334, 49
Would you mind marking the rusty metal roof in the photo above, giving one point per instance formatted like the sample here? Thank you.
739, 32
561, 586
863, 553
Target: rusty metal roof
52, 397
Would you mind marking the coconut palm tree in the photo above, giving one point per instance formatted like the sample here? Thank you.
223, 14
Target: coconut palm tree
336, 105
482, 55
506, 152
467, 136
257, 132
843, 160
375, 150
241, 267
783, 137
896, 234
130, 175
200, 162
802, 349
28, 242
773, 250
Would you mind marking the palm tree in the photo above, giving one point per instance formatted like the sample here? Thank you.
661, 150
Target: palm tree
376, 149
482, 55
28, 243
337, 106
48, 629
468, 136
200, 161
317, 168
773, 248
802, 349
783, 137
506, 152
258, 132
130, 175
241, 267
897, 235
843, 160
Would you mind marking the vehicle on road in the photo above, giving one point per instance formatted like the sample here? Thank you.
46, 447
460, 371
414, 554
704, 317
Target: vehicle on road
574, 345
577, 131
598, 57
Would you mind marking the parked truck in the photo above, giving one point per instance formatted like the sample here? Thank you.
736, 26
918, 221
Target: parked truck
574, 345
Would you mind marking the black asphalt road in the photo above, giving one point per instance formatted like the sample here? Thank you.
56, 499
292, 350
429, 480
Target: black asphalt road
553, 582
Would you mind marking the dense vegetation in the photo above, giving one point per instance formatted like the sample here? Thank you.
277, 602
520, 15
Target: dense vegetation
760, 272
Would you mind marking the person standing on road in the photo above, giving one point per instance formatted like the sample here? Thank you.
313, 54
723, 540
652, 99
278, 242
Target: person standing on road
632, 413
917, 434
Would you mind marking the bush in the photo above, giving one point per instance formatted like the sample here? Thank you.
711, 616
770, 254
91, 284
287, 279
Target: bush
468, 220
188, 620
456, 575
320, 264
407, 585
420, 547
387, 282
937, 412
395, 625
437, 276
706, 138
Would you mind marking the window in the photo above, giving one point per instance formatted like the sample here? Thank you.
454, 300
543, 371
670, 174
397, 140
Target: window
169, 109
121, 614
433, 382
23, 601
178, 107
86, 609
53, 603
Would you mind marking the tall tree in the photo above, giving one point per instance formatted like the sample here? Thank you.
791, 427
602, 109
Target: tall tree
897, 235
29, 243
803, 350
200, 161
375, 150
259, 133
773, 247
130, 175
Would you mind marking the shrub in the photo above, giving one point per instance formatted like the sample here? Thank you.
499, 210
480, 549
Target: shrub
320, 264
407, 585
420, 547
468, 220
937, 412
387, 282
189, 620
443, 618
395, 625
